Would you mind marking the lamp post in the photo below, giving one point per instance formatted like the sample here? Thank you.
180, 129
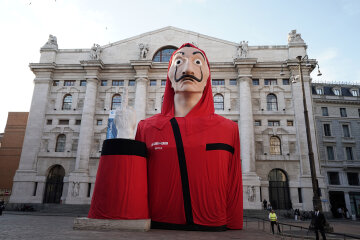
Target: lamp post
315, 185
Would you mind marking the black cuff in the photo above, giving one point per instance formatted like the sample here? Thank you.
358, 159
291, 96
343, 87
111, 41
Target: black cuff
120, 146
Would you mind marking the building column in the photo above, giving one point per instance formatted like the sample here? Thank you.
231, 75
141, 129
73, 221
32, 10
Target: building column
251, 181
79, 178
25, 176
142, 68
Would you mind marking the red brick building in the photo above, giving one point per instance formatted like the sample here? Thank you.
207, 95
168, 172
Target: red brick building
10, 150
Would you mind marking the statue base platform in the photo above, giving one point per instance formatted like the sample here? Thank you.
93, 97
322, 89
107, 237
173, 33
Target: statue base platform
84, 223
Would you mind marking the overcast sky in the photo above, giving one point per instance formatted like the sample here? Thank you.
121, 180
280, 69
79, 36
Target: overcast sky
330, 28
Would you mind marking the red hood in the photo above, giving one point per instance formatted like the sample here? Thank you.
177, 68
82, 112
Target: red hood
205, 107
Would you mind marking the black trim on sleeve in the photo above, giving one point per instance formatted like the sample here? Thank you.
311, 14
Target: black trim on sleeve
219, 146
183, 171
120, 146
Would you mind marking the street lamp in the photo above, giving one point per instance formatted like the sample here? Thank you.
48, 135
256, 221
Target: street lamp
314, 181
316, 196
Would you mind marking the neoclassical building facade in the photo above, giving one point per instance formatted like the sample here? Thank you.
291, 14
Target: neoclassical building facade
75, 89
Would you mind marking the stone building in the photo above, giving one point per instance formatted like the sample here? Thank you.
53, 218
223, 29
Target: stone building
337, 117
10, 150
76, 88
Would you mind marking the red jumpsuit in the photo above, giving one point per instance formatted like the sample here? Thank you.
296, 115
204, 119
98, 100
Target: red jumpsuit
193, 179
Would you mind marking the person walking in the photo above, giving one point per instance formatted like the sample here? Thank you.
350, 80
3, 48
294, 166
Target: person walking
318, 220
297, 214
273, 221
264, 204
2, 206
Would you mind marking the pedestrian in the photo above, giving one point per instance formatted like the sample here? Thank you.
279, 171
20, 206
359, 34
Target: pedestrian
2, 206
318, 221
297, 214
340, 212
269, 207
273, 221
265, 204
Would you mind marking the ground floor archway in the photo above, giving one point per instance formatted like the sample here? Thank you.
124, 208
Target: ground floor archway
279, 193
54, 184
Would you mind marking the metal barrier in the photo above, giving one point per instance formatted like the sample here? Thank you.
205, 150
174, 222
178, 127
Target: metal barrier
289, 231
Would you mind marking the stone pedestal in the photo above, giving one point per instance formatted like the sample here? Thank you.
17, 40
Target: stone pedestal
140, 225
251, 191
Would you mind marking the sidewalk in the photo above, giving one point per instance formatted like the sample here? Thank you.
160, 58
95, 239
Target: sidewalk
15, 226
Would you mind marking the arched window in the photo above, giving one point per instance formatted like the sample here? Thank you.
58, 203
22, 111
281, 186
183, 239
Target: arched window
279, 193
275, 145
219, 102
67, 101
271, 102
60, 143
116, 101
164, 54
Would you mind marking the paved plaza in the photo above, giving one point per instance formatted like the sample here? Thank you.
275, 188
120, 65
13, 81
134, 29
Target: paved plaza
31, 226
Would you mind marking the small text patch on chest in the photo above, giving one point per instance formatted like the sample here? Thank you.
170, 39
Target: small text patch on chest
158, 145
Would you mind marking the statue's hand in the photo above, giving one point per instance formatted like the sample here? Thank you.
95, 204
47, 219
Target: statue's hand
125, 119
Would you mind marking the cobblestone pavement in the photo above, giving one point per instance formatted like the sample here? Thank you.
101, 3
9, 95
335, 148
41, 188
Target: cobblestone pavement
14, 226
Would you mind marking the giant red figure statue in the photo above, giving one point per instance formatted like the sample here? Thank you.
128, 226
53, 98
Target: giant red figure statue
183, 170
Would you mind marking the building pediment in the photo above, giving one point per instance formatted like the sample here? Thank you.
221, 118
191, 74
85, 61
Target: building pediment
274, 131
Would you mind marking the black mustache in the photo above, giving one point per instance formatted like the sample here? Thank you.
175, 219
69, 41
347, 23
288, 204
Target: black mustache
189, 76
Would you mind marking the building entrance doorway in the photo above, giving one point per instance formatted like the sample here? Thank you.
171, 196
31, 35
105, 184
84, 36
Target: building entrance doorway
54, 184
337, 200
279, 193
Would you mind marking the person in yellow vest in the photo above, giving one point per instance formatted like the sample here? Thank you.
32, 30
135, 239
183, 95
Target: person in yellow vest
273, 221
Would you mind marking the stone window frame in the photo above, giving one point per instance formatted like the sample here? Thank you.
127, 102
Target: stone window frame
232, 82
131, 83
323, 111
333, 152
348, 133
116, 103
103, 83
271, 103
273, 123
349, 156
218, 101
82, 83
257, 123
255, 82
218, 82
275, 145
69, 83
67, 102
290, 123
63, 122
117, 83
331, 178
270, 82
325, 130
164, 54
99, 122
152, 83
60, 143
285, 81
343, 112
56, 83
348, 179
163, 82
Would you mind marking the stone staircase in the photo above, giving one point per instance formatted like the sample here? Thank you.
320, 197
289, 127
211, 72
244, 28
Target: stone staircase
49, 209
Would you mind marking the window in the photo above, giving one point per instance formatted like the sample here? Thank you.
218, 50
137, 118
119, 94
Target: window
219, 102
49, 122
355, 92
163, 82
353, 178
255, 82
359, 112
275, 145
118, 82
83, 83
343, 112
327, 131
290, 123
273, 123
152, 82
60, 143
330, 153
349, 153
77, 122
69, 83
218, 82
270, 81
131, 82
164, 54
300, 195
333, 178
116, 101
67, 101
257, 122
233, 82
89, 190
103, 82
336, 91
56, 83
286, 82
63, 122
324, 111
74, 145
319, 91
271, 102
346, 130
99, 122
